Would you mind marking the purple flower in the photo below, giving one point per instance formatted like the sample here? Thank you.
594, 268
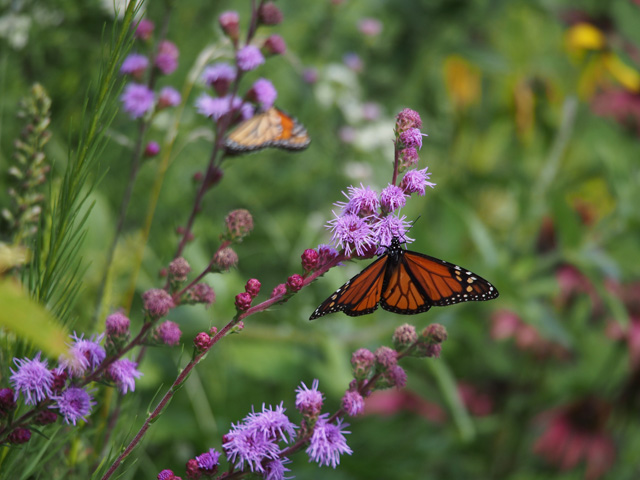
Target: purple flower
386, 357
167, 58
179, 268
169, 97
209, 460
309, 400
202, 293
242, 445
83, 355
169, 333
362, 361
117, 324
137, 100
326, 253
392, 198
229, 22
275, 469
409, 156
32, 378
264, 93
7, 401
408, 118
328, 442
166, 475
351, 233
272, 424
144, 30
151, 149
218, 71
353, 403
275, 45
216, 108
157, 302
362, 201
412, 138
135, 64
249, 58
416, 181
74, 403
391, 226
123, 372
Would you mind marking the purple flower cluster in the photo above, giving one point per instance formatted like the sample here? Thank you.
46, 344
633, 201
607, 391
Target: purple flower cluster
368, 221
220, 75
138, 100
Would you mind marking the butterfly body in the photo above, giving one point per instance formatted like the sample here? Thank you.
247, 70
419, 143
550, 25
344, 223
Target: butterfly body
406, 282
272, 128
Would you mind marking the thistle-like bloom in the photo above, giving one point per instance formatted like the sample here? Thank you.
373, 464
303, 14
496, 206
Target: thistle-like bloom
225, 259
123, 372
217, 107
168, 97
274, 45
83, 355
151, 149
271, 423
404, 336
361, 201
392, 198
135, 64
269, 14
309, 400
309, 259
386, 357
202, 293
326, 253
264, 93
157, 302
137, 100
363, 361
33, 379
295, 282
219, 76
351, 233
144, 29
328, 442
169, 333
408, 118
74, 404
249, 58
275, 469
229, 22
167, 58
179, 268
209, 461
416, 181
245, 445
409, 156
353, 403
389, 227
412, 137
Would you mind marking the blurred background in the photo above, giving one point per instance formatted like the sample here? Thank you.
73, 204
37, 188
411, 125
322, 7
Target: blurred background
532, 110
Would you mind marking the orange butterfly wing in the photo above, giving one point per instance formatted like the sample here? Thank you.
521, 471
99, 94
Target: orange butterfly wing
358, 296
419, 282
272, 128
408, 283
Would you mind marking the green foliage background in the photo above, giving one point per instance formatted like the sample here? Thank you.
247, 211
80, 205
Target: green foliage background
496, 183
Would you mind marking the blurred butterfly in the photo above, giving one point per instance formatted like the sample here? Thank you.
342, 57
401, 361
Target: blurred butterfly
406, 282
272, 128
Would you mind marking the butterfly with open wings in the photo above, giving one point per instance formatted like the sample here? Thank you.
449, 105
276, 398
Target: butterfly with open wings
406, 282
272, 128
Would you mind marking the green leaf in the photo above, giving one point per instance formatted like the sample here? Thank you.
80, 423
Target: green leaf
30, 320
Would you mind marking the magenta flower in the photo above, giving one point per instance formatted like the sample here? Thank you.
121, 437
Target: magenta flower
412, 137
208, 461
274, 45
169, 333
328, 442
202, 293
219, 76
229, 22
168, 97
242, 445
144, 30
361, 201
353, 403
309, 400
386, 357
123, 372
83, 355
416, 181
135, 64
326, 253
351, 233
33, 379
137, 100
117, 324
392, 198
157, 302
264, 93
167, 58
409, 156
408, 118
389, 227
271, 423
74, 404
275, 469
363, 361
249, 58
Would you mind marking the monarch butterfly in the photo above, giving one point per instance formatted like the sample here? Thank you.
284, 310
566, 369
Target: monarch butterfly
406, 282
272, 128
